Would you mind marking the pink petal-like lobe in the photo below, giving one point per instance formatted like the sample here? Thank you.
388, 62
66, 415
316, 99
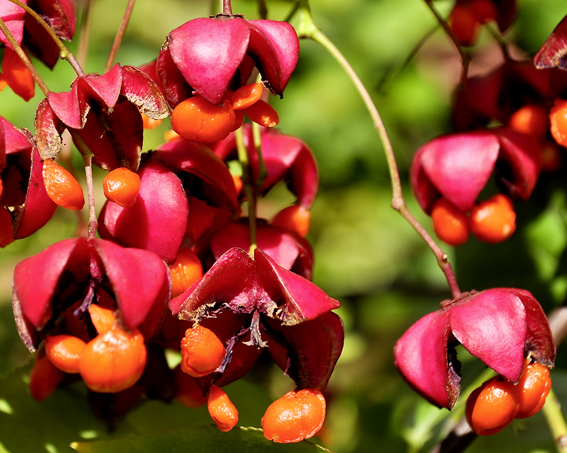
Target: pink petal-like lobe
492, 326
158, 219
421, 356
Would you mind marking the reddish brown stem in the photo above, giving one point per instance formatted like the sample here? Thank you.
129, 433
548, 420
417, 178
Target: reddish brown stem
227, 7
63, 50
119, 35
398, 201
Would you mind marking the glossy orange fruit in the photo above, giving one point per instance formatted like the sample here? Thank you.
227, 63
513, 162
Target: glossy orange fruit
533, 388
113, 361
65, 351
185, 270
201, 351
121, 186
530, 119
492, 407
199, 120
247, 95
61, 186
221, 409
296, 416
263, 113
493, 220
103, 319
450, 224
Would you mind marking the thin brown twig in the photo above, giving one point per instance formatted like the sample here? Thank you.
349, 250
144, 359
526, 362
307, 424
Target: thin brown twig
64, 52
119, 35
398, 201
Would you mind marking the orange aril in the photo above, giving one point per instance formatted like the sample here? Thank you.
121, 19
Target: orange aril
450, 224
493, 220
113, 361
221, 409
530, 119
65, 351
61, 186
122, 186
296, 416
103, 319
185, 270
201, 351
247, 95
263, 113
492, 407
199, 120
532, 389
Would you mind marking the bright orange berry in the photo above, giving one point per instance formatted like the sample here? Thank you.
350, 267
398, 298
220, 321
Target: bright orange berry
102, 318
532, 389
247, 95
199, 120
492, 407
221, 409
185, 270
44, 377
296, 416
293, 218
558, 121
530, 119
464, 24
188, 391
113, 361
263, 113
65, 351
201, 351
17, 75
61, 186
493, 220
450, 224
122, 186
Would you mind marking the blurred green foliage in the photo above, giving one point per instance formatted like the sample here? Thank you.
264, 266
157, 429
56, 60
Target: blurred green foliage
366, 255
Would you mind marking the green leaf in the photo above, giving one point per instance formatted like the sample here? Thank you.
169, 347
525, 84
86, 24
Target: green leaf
66, 417
197, 439
26, 425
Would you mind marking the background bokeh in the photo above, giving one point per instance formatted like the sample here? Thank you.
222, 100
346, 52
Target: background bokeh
366, 255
